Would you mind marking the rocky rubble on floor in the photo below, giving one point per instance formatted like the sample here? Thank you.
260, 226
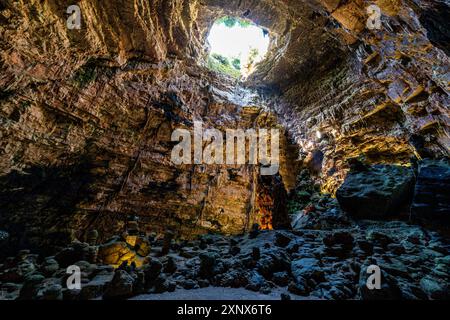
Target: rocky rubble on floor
326, 215
319, 264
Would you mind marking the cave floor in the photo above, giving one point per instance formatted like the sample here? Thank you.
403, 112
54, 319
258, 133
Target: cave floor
317, 264
216, 293
308, 264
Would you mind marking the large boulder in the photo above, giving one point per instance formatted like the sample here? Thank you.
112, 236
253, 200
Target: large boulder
431, 200
434, 288
208, 262
115, 252
121, 286
152, 269
306, 268
30, 287
49, 266
272, 261
376, 191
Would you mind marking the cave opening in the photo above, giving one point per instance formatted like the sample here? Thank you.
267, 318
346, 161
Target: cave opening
236, 46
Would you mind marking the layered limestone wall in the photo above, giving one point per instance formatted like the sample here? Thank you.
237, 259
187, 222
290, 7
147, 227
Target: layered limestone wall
384, 100
87, 114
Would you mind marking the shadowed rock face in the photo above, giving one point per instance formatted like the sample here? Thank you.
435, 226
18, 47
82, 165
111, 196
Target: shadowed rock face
376, 192
107, 97
431, 197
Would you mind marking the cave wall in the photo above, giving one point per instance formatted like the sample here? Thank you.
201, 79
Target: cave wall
118, 125
87, 114
87, 117
385, 99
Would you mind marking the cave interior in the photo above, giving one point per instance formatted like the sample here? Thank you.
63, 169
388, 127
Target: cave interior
87, 120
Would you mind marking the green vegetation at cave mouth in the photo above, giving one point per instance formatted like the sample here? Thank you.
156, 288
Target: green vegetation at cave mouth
219, 63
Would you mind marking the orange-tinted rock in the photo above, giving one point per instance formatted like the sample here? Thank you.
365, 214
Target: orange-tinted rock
351, 16
389, 7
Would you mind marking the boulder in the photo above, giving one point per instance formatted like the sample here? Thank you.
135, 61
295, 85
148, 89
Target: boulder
255, 281
285, 297
16, 270
208, 261
339, 237
282, 239
96, 286
298, 288
142, 246
431, 201
435, 289
281, 278
376, 192
50, 266
77, 251
161, 284
189, 284
151, 271
170, 266
115, 252
234, 250
121, 286
9, 291
30, 287
256, 253
379, 237
235, 278
273, 261
306, 268
365, 246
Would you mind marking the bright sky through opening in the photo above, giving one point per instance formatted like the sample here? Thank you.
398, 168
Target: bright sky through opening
238, 41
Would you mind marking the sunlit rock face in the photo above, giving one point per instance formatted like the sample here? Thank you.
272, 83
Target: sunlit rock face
386, 97
87, 115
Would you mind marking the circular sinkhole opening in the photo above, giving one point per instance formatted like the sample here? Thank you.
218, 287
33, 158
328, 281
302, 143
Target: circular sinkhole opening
236, 46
